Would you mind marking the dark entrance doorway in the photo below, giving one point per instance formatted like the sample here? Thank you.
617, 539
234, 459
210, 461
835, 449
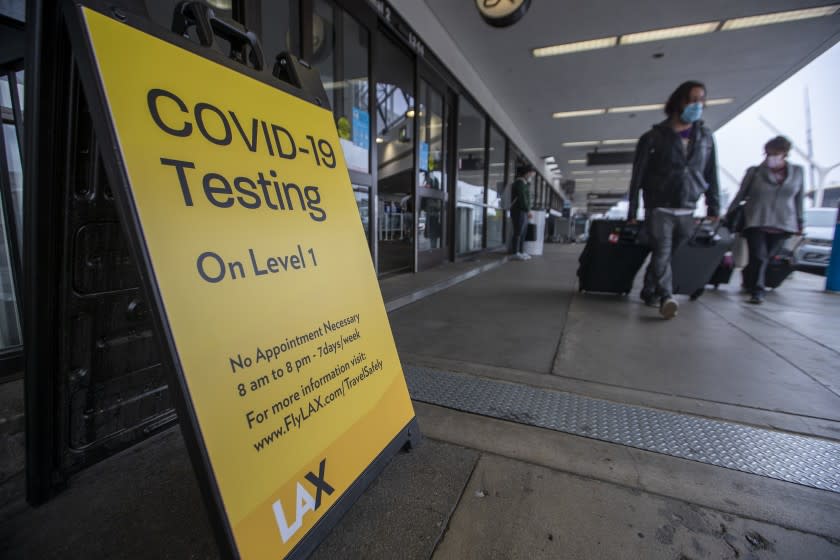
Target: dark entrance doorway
396, 111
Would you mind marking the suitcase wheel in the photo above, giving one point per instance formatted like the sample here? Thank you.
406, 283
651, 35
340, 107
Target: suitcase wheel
697, 294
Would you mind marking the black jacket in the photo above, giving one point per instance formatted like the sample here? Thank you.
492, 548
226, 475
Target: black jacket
670, 178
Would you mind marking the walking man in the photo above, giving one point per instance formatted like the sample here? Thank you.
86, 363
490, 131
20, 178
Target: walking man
675, 164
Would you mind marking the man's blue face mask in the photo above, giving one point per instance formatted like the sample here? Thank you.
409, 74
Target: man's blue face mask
692, 112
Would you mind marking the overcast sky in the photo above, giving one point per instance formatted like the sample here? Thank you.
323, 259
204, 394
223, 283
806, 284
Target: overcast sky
740, 142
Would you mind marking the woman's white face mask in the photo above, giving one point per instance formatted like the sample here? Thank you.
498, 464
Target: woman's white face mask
775, 161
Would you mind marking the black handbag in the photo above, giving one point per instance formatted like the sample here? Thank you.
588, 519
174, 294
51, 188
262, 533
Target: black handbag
736, 218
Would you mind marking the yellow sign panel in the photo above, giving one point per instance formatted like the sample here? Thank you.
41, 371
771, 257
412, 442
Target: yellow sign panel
263, 269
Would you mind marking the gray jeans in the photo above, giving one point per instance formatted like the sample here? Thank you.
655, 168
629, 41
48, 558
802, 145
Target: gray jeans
667, 232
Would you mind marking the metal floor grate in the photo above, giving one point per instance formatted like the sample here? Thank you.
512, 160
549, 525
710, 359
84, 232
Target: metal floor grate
802, 460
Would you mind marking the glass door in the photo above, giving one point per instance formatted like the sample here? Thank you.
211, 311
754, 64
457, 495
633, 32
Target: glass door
432, 195
11, 220
396, 110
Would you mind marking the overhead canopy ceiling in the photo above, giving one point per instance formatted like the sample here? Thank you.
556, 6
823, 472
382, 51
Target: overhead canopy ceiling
738, 65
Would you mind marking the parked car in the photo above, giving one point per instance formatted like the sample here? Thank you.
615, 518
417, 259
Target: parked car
813, 252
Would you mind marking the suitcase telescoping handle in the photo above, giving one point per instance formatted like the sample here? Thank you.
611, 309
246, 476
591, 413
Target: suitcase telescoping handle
244, 44
703, 221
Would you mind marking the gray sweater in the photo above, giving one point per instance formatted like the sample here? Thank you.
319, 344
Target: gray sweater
770, 204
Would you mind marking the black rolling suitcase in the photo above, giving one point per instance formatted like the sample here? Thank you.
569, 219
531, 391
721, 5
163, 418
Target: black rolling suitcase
613, 255
778, 268
697, 260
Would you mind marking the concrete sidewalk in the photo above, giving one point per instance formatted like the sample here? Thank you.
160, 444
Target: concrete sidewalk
480, 487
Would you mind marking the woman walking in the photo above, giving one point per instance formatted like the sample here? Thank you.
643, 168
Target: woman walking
772, 194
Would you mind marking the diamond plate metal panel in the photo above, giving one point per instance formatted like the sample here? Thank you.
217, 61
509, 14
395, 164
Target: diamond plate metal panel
802, 460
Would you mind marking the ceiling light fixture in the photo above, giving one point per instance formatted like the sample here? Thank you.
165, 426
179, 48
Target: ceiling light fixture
620, 141
636, 108
779, 17
582, 172
660, 106
686, 31
583, 180
577, 161
579, 46
669, 33
581, 144
580, 113
548, 159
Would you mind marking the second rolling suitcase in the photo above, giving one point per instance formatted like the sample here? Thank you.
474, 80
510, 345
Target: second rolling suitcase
778, 269
696, 261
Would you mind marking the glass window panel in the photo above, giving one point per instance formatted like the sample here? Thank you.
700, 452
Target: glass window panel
470, 154
160, 11
351, 87
9, 321
495, 227
278, 28
496, 179
5, 97
323, 45
430, 224
470, 224
514, 159
15, 177
19, 77
432, 132
496, 184
547, 194
469, 215
13, 9
362, 195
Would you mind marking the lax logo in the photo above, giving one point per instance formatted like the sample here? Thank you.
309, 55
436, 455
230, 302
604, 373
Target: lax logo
304, 502
501, 13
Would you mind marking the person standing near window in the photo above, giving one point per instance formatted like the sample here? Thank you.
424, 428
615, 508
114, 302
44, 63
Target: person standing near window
675, 164
520, 207
773, 192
